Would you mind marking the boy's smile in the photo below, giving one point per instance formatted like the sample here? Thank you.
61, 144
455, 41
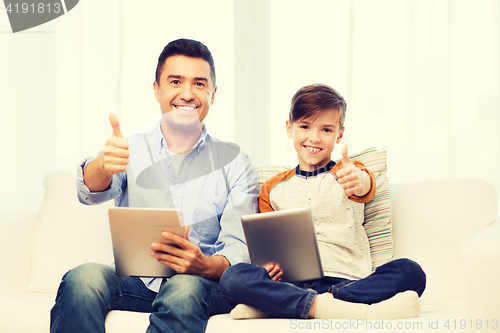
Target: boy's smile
313, 150
315, 138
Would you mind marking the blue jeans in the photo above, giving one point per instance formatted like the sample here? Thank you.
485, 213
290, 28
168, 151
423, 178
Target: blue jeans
88, 292
251, 285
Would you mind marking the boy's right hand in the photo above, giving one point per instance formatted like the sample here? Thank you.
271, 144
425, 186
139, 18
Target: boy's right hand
116, 153
275, 271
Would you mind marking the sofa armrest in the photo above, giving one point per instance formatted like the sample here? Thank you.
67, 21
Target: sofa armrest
482, 268
17, 236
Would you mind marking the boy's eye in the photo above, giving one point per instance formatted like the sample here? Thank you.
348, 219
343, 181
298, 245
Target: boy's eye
304, 126
327, 130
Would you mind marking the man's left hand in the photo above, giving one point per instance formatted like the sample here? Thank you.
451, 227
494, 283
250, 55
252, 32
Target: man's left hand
187, 258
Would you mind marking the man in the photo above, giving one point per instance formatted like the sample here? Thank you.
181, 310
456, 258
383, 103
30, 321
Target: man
169, 162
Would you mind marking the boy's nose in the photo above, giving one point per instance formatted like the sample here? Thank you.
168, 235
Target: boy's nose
314, 137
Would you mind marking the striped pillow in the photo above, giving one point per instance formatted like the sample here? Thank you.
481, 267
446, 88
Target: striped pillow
378, 220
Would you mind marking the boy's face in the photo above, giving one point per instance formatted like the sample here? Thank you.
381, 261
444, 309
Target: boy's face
314, 139
185, 91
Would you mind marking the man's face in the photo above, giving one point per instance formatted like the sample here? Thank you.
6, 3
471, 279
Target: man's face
185, 92
314, 139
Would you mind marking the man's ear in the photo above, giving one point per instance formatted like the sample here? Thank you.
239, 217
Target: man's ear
213, 96
155, 88
341, 135
289, 129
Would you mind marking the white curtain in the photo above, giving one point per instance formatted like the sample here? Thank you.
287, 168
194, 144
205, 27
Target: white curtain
421, 79
59, 81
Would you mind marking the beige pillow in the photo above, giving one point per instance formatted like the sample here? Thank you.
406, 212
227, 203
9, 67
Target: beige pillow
68, 233
378, 221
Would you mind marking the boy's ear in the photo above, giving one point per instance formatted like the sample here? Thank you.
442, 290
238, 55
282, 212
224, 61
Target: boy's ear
341, 135
289, 129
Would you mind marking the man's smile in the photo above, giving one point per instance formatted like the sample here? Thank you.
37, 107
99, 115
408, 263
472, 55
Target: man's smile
190, 107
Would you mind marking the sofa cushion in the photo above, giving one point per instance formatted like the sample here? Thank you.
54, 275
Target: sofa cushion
68, 233
378, 216
378, 222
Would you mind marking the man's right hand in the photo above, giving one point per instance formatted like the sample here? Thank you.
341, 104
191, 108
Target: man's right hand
115, 155
98, 174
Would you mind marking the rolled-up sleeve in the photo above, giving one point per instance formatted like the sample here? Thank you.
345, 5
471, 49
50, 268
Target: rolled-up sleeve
242, 200
87, 197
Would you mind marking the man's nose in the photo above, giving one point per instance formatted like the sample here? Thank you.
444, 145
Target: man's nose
187, 92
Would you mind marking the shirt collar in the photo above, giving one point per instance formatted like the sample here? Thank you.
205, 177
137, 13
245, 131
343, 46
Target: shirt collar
160, 139
326, 168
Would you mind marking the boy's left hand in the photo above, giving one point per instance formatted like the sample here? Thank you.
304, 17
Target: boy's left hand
353, 180
275, 272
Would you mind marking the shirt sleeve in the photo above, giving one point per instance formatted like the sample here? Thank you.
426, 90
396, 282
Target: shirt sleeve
265, 204
242, 200
87, 197
371, 193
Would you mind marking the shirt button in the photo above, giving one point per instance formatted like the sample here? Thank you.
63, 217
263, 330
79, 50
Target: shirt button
177, 194
168, 164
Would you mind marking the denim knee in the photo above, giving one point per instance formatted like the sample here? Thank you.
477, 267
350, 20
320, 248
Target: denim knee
87, 277
84, 287
238, 275
230, 279
182, 292
411, 273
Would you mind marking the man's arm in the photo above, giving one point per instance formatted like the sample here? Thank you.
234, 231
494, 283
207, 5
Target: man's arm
98, 174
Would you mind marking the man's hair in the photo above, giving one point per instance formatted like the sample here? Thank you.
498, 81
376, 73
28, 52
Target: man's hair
310, 101
186, 47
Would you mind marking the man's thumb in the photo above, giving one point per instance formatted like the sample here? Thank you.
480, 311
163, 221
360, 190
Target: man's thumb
116, 125
345, 158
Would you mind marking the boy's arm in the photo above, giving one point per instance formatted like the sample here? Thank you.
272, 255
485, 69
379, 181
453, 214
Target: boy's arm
357, 181
369, 184
264, 201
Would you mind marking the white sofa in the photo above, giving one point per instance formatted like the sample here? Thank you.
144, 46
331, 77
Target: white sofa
448, 227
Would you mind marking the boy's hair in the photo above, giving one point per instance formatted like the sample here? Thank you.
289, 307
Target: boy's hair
186, 47
311, 100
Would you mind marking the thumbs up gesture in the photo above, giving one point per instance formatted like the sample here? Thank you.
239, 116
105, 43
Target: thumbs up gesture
353, 180
115, 154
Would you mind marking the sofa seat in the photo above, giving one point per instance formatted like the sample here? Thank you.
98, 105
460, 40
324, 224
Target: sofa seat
448, 227
37, 320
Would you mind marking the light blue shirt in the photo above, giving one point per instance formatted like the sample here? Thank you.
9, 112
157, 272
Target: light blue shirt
215, 185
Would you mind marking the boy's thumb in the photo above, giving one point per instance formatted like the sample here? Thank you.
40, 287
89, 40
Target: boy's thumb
345, 158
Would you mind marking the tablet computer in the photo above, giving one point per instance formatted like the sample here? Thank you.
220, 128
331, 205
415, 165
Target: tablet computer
133, 230
287, 238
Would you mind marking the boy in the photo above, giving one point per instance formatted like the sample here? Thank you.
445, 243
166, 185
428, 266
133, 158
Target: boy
336, 193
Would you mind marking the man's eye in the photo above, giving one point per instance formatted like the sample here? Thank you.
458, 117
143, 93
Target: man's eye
200, 84
175, 82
